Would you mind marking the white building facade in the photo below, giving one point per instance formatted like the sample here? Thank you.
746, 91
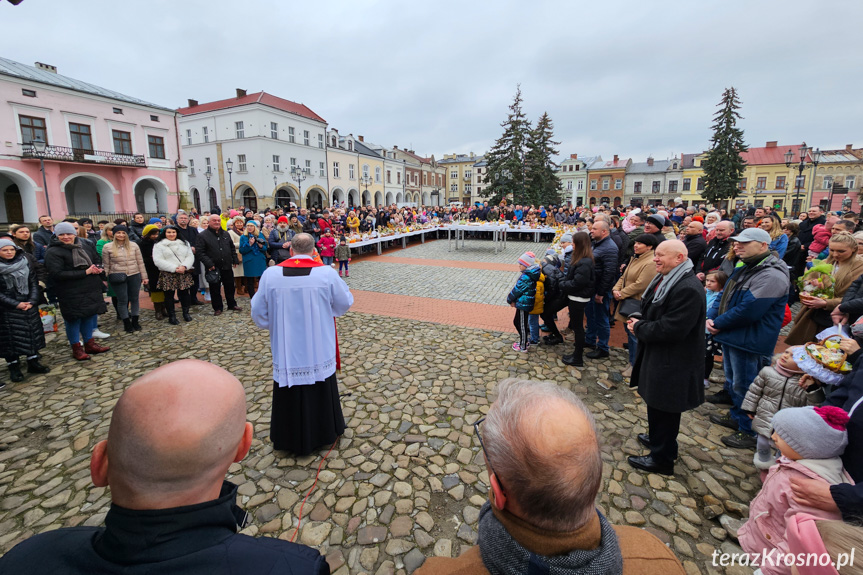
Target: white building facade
573, 179
259, 151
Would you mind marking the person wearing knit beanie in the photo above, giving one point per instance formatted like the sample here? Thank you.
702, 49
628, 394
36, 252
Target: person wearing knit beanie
527, 259
155, 221
64, 228
282, 220
811, 432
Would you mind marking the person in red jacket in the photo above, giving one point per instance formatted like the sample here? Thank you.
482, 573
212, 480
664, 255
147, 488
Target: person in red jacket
327, 245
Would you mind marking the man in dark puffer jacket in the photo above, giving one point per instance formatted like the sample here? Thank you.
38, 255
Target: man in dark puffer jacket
605, 256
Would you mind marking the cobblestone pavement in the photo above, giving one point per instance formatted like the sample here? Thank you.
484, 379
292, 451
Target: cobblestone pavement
474, 249
407, 479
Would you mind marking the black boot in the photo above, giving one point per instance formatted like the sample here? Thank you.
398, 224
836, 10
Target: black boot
186, 315
575, 360
34, 366
15, 371
127, 325
172, 315
135, 325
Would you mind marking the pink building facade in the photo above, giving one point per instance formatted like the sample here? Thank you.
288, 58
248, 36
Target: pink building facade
106, 153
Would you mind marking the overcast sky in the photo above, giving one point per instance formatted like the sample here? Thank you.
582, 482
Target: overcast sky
618, 77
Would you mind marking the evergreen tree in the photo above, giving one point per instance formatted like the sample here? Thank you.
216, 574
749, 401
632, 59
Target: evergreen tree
506, 158
541, 183
723, 167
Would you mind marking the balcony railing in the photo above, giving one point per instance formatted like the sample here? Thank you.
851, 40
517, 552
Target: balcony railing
64, 154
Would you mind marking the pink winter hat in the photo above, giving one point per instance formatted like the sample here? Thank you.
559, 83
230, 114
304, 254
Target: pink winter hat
527, 259
233, 213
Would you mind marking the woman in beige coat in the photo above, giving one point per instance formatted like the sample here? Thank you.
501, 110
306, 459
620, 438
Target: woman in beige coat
638, 273
236, 229
814, 316
123, 256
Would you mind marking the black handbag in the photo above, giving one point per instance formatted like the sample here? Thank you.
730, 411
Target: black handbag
117, 278
213, 276
629, 306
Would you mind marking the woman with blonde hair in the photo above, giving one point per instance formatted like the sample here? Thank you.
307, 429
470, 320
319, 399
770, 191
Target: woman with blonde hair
814, 316
124, 267
778, 240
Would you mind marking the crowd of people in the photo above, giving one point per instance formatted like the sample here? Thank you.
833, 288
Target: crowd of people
687, 284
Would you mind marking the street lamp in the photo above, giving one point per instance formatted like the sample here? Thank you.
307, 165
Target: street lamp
230, 165
298, 175
804, 153
365, 181
39, 146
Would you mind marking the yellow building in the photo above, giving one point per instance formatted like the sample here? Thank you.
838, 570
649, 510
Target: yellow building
767, 181
461, 178
693, 179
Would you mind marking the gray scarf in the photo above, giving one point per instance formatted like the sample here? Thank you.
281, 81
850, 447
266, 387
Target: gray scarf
668, 280
80, 259
503, 555
16, 273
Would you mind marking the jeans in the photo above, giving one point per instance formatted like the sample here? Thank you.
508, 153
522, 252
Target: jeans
343, 263
741, 367
128, 292
82, 327
533, 323
328, 260
633, 344
598, 328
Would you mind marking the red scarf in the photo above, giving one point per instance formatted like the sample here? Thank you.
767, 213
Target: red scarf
307, 263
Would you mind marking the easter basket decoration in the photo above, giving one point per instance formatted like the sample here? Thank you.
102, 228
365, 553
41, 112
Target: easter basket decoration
818, 282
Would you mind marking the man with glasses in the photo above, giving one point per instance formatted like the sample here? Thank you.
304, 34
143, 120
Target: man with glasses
545, 470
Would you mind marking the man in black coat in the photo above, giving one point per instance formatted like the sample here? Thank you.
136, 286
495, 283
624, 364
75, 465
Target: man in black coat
597, 311
717, 250
174, 433
216, 250
669, 365
694, 240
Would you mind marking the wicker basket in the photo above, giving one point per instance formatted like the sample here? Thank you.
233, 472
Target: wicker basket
840, 356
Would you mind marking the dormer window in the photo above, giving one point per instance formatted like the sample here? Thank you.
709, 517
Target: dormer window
350, 146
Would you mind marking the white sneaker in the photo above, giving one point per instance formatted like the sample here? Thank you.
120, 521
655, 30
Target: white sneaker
98, 334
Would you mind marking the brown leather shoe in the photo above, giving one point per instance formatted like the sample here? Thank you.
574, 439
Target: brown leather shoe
217, 312
78, 352
235, 308
90, 346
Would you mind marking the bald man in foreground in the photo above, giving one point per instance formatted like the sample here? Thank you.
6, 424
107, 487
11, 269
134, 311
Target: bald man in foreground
174, 433
669, 363
545, 470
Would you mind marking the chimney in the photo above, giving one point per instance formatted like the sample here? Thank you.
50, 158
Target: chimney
649, 161
360, 138
615, 158
46, 67
192, 103
241, 93
849, 147
772, 144
573, 156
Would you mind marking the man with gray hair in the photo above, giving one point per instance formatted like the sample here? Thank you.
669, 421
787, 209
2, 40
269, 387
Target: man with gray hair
545, 471
298, 301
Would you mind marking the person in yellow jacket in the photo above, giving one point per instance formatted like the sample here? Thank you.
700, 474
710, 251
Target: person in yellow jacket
353, 222
539, 302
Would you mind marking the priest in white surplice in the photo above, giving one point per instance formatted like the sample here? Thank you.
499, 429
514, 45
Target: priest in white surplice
298, 301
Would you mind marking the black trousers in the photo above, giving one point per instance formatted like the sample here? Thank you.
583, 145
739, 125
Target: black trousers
227, 281
549, 311
521, 326
663, 427
576, 324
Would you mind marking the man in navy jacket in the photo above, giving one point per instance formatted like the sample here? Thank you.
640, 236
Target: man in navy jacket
174, 433
597, 311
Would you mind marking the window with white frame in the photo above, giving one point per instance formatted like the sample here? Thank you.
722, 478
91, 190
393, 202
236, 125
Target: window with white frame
467, 188
636, 188
593, 184
305, 137
308, 168
618, 184
655, 186
293, 163
389, 177
277, 163
322, 169
399, 178
365, 170
672, 186
274, 130
336, 170
828, 182
569, 184
453, 188
453, 175
206, 132
378, 174
580, 185
241, 163
241, 131
351, 171
191, 167
291, 135
188, 137
321, 141
606, 183
850, 182
207, 163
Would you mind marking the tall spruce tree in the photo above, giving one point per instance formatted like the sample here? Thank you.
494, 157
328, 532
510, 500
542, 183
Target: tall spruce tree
506, 158
723, 167
541, 184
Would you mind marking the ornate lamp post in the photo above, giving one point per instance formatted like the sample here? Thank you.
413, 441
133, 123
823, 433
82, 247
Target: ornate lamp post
804, 155
39, 146
365, 181
230, 165
298, 175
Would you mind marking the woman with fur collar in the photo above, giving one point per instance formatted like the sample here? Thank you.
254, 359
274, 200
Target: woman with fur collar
174, 257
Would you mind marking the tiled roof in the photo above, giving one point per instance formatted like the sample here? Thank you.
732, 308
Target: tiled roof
644, 168
770, 155
460, 158
18, 70
257, 98
610, 164
688, 160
